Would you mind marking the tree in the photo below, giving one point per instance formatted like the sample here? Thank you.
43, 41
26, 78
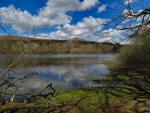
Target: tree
130, 15
10, 84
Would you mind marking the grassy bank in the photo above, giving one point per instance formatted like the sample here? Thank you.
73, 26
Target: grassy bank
95, 100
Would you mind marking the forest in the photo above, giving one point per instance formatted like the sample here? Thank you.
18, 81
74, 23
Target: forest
16, 45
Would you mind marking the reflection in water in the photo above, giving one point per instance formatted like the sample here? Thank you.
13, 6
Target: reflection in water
65, 71
72, 76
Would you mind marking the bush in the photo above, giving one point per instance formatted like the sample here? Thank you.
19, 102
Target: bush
136, 57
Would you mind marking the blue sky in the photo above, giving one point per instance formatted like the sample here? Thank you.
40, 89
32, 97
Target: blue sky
65, 19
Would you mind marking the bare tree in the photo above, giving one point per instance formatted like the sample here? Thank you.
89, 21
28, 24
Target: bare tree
130, 15
10, 84
2, 26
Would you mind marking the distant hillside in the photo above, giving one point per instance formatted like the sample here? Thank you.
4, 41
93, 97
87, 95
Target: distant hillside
43, 46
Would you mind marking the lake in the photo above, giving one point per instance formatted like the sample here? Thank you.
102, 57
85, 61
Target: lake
65, 71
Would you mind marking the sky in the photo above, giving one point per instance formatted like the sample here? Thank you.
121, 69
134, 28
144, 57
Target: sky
65, 19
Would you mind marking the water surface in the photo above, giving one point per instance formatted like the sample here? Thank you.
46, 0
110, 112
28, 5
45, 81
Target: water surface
64, 71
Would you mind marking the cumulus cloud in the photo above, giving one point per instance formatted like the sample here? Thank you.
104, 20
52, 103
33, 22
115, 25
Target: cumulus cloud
129, 1
86, 29
112, 35
54, 13
86, 4
102, 8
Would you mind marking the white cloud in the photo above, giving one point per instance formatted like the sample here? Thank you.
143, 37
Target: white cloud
86, 29
59, 35
24, 21
129, 1
112, 35
102, 8
54, 13
87, 4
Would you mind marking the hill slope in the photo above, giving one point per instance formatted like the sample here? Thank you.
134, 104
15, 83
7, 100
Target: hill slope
43, 46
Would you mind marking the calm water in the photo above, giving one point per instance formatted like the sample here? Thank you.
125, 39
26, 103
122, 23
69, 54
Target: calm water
64, 71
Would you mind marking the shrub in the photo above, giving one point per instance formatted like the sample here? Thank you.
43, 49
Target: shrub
136, 57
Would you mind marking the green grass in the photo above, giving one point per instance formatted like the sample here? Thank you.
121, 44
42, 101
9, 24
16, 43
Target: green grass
97, 100
94, 100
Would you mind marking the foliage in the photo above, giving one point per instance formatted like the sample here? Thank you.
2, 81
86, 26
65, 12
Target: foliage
136, 57
39, 46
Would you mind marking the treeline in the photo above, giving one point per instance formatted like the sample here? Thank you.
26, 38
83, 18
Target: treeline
15, 44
